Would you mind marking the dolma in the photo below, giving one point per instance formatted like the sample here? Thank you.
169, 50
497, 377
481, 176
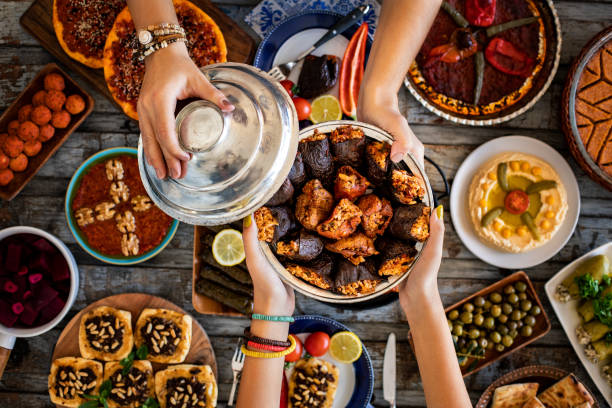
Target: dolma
317, 272
586, 310
376, 216
411, 222
241, 303
344, 220
318, 75
407, 188
297, 174
304, 247
273, 223
219, 277
591, 331
377, 161
598, 351
348, 145
238, 274
314, 205
597, 266
284, 194
349, 184
354, 248
354, 280
396, 257
317, 157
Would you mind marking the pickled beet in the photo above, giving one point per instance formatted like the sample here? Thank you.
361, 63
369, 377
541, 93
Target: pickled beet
43, 245
10, 287
51, 310
26, 294
44, 294
59, 268
35, 278
17, 308
22, 271
7, 317
13, 258
29, 315
40, 263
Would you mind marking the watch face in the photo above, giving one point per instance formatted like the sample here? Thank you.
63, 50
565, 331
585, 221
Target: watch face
145, 37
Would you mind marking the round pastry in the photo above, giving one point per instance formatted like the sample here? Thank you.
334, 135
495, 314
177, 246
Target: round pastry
131, 389
166, 333
71, 377
105, 333
197, 382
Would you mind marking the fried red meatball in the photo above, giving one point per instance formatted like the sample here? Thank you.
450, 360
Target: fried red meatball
411, 222
24, 113
377, 213
349, 184
19, 163
13, 128
4, 161
354, 248
54, 81
41, 115
6, 176
60, 120
75, 104
46, 132
12, 146
39, 98
314, 205
55, 100
343, 222
396, 257
32, 148
28, 131
407, 189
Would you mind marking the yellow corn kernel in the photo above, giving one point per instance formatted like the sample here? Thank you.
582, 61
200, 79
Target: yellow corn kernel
492, 176
545, 224
536, 171
549, 214
506, 233
498, 226
525, 166
522, 231
482, 203
515, 165
550, 200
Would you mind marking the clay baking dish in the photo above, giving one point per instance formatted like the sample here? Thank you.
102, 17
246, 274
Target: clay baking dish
48, 148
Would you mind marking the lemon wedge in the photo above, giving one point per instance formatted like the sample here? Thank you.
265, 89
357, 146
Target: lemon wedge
324, 109
227, 247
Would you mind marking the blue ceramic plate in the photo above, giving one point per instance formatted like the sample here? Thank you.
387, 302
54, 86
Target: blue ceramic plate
361, 394
81, 239
307, 20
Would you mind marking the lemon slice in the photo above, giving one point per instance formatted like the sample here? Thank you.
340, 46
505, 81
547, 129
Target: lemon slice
227, 247
345, 347
324, 109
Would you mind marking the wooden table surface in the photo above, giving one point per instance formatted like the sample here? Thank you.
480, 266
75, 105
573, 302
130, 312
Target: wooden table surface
168, 275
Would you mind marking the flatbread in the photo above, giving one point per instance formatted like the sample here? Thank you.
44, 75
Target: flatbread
514, 395
567, 393
534, 403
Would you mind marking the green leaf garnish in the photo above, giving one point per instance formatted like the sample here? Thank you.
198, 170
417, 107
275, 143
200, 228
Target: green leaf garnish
150, 403
90, 404
603, 309
588, 287
142, 352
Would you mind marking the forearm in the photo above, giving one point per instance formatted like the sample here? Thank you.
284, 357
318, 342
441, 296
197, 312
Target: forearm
433, 345
145, 12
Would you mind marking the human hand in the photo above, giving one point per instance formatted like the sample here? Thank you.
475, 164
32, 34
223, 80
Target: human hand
423, 279
170, 75
271, 295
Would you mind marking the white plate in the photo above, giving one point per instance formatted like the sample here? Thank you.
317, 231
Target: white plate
569, 318
460, 212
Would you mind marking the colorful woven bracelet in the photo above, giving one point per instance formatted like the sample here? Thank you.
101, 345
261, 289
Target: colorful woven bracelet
260, 354
257, 316
249, 336
264, 347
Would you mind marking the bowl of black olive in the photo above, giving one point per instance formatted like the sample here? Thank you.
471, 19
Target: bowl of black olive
348, 224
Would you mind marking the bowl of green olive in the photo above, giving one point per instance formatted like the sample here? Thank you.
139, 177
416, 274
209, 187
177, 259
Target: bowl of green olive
496, 321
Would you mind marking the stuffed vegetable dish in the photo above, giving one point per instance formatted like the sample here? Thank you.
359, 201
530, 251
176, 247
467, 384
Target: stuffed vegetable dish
346, 220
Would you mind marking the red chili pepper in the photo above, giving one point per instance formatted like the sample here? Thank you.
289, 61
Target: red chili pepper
505, 57
351, 71
462, 45
480, 12
284, 395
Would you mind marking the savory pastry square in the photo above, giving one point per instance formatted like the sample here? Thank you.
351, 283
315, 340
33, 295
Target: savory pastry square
186, 385
166, 333
71, 377
313, 384
105, 333
567, 393
132, 389
514, 395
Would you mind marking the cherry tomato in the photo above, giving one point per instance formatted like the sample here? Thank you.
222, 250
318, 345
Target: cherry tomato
302, 106
288, 85
317, 344
297, 353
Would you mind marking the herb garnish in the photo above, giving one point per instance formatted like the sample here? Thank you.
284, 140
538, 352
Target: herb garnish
588, 287
603, 309
96, 400
139, 354
150, 403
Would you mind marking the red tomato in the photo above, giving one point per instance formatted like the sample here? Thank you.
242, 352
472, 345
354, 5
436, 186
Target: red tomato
297, 353
302, 106
317, 344
288, 85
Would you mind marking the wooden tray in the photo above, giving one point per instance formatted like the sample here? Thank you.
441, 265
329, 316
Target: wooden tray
37, 20
541, 328
201, 351
48, 148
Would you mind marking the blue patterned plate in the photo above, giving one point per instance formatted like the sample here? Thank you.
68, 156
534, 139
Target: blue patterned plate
359, 395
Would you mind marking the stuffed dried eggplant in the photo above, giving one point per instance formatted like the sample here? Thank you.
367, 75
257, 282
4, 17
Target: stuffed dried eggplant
343, 221
242, 303
348, 145
355, 247
314, 205
377, 213
406, 188
317, 157
377, 161
284, 194
304, 247
349, 184
317, 272
355, 280
297, 174
212, 274
318, 75
396, 257
273, 223
411, 222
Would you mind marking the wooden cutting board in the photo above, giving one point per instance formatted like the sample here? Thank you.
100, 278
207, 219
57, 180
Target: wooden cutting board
38, 21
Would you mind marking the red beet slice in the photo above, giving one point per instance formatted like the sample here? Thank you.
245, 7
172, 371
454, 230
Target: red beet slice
10, 287
59, 268
13, 258
27, 294
35, 278
63, 286
43, 245
17, 308
7, 317
53, 309
40, 263
43, 295
22, 271
29, 315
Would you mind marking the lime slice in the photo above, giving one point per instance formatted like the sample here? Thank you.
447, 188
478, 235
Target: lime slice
324, 109
227, 247
345, 347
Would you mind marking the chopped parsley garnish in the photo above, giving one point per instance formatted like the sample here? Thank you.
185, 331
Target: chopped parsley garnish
603, 309
589, 287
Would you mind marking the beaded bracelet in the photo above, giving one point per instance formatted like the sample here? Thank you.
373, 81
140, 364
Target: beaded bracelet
260, 354
264, 347
249, 336
158, 46
145, 35
257, 316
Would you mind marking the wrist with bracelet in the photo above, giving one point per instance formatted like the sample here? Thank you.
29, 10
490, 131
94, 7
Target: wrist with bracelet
156, 37
255, 346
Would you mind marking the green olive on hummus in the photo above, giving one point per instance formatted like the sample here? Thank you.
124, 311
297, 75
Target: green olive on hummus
517, 202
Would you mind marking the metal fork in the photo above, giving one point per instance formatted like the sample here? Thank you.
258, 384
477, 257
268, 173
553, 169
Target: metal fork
237, 364
282, 71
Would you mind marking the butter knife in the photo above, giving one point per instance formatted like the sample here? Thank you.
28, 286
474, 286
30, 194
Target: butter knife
389, 371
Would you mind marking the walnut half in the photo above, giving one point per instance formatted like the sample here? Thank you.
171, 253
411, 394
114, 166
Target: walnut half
114, 170
84, 216
126, 222
105, 211
119, 191
141, 203
129, 244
